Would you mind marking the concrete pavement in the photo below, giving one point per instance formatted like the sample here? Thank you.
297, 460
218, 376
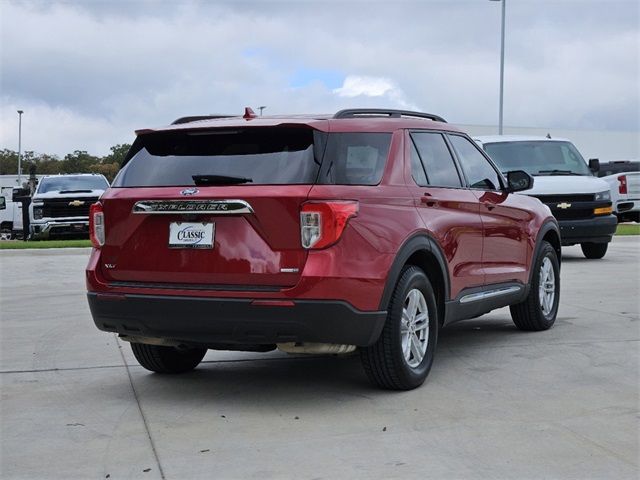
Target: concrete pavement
499, 403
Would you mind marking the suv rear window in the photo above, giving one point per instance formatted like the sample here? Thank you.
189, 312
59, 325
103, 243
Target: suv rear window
266, 156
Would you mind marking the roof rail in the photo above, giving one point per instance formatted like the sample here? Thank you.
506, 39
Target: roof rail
195, 118
385, 112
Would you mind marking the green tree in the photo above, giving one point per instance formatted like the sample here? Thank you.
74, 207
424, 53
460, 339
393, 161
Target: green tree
118, 152
8, 162
77, 162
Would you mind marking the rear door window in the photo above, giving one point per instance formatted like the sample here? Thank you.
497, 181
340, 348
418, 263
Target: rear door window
436, 159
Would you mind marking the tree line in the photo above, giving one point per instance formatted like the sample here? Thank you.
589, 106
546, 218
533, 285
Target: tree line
77, 162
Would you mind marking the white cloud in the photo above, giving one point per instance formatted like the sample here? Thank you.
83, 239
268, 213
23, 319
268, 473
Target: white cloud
355, 85
89, 73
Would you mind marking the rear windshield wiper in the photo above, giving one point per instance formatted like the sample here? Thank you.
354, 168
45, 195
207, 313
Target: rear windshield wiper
76, 191
557, 172
219, 180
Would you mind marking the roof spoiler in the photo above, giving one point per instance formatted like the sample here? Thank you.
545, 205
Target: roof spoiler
196, 118
384, 112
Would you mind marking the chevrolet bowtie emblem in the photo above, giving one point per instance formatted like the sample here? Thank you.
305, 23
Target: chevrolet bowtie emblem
564, 205
76, 203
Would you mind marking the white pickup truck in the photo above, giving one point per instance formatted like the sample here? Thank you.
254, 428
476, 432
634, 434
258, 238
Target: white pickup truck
623, 178
580, 201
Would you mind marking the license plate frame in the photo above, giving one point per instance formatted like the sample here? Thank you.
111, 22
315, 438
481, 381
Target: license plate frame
191, 235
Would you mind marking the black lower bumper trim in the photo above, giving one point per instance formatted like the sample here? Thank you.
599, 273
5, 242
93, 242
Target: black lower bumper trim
207, 321
593, 230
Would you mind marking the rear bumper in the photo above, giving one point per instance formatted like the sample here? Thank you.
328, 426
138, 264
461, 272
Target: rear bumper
594, 230
210, 321
628, 210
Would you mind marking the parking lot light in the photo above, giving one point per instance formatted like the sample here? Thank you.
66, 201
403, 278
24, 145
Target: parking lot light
504, 7
20, 112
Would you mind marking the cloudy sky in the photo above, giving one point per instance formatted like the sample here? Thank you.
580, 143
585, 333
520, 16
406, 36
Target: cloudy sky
87, 73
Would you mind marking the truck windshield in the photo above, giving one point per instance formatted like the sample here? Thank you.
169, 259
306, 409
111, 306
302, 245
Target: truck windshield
72, 183
538, 157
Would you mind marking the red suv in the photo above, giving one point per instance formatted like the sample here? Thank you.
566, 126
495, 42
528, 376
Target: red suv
369, 229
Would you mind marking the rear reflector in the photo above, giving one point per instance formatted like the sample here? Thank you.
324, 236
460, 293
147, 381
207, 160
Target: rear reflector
273, 303
96, 225
322, 223
622, 188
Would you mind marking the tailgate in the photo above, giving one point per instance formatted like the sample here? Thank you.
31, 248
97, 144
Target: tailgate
246, 237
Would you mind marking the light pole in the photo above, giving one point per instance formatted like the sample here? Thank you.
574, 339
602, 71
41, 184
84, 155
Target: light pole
504, 8
20, 112
261, 109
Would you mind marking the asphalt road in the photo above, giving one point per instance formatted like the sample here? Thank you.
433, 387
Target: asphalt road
499, 403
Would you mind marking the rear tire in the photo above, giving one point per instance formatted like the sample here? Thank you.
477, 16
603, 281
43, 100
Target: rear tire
161, 359
538, 311
403, 355
594, 250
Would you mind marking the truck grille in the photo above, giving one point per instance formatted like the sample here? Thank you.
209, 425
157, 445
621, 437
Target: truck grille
68, 207
576, 207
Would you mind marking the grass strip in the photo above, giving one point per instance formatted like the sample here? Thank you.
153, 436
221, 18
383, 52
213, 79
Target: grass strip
628, 229
21, 245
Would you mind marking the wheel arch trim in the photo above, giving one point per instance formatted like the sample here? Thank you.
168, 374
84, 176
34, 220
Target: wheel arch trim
550, 225
414, 244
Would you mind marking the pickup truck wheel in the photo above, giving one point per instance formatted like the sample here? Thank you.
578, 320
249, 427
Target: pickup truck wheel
403, 355
539, 310
163, 359
594, 250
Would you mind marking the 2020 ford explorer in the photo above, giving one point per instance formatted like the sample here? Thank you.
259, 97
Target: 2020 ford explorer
368, 229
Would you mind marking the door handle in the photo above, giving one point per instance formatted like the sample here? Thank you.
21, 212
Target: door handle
428, 200
490, 206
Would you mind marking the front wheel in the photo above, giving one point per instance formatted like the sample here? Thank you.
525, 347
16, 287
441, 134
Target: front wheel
594, 250
403, 355
161, 359
539, 309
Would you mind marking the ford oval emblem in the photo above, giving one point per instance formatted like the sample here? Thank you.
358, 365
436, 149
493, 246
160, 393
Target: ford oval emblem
189, 191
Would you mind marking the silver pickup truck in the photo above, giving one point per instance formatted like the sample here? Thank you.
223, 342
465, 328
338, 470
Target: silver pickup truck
624, 179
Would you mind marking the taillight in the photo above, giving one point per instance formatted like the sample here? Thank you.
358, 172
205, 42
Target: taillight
622, 188
96, 225
322, 223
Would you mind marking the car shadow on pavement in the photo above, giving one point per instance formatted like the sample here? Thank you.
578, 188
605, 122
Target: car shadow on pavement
308, 380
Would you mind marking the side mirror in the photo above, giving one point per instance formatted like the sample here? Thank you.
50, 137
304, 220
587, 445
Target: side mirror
594, 165
3, 203
19, 192
519, 180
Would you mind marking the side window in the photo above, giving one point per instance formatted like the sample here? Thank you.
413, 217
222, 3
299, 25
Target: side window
417, 170
355, 158
437, 160
478, 170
